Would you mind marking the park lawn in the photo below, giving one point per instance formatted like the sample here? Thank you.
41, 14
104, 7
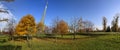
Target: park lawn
83, 42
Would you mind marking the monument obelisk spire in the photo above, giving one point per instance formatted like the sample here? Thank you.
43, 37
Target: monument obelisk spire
44, 13
42, 27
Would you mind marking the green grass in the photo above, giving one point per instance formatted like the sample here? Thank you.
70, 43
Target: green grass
102, 41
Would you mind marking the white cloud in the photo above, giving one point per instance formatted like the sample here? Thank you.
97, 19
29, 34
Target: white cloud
99, 27
4, 15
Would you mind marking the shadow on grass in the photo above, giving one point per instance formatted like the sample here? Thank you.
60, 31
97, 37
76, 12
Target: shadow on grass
10, 47
114, 40
87, 36
60, 38
91, 34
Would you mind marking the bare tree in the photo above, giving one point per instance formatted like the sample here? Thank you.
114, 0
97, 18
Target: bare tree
104, 23
74, 27
11, 28
115, 23
55, 24
88, 26
8, 0
80, 24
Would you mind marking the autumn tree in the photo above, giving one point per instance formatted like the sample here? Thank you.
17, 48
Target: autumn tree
62, 27
26, 26
40, 27
59, 26
104, 23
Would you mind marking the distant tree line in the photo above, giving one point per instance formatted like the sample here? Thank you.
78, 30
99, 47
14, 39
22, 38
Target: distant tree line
28, 26
114, 25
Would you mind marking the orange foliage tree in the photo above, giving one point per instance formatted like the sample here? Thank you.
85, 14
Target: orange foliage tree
62, 27
40, 27
26, 25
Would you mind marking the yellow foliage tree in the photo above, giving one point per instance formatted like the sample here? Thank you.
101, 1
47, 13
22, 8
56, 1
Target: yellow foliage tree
26, 25
62, 27
40, 27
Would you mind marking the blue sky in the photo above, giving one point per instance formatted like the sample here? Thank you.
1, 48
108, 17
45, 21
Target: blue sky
92, 10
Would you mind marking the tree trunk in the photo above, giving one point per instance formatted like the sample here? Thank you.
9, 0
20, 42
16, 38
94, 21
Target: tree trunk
74, 35
62, 35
